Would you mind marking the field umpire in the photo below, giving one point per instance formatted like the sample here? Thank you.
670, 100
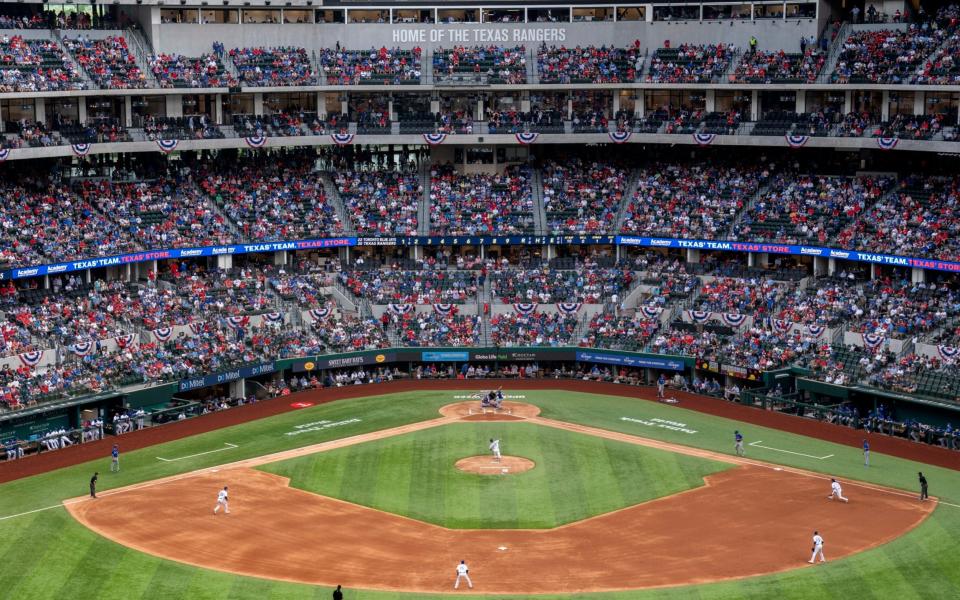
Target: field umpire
923, 487
93, 485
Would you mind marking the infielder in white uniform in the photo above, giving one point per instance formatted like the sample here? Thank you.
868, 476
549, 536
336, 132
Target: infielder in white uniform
495, 448
222, 501
836, 491
817, 548
463, 573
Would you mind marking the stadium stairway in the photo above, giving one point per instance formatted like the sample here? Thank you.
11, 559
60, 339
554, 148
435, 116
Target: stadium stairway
423, 213
58, 38
138, 45
760, 193
835, 48
484, 297
539, 215
333, 195
532, 75
632, 182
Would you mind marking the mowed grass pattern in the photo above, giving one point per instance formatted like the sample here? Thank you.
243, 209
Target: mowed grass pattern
576, 476
48, 555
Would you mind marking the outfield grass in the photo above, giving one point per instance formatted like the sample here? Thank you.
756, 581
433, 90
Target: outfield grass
48, 555
576, 476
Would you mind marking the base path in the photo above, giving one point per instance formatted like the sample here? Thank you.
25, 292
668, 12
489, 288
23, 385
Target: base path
750, 520
487, 465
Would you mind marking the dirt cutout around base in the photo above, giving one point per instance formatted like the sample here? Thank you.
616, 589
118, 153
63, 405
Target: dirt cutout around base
472, 411
487, 465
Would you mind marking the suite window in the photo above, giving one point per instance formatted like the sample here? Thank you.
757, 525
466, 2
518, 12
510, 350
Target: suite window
592, 14
329, 16
676, 13
220, 16
459, 15
261, 16
179, 15
412, 16
506, 15
291, 15
714, 12
632, 13
807, 10
554, 14
368, 16
767, 11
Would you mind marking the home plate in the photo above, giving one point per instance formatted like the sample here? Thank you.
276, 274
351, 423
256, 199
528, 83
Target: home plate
777, 469
502, 548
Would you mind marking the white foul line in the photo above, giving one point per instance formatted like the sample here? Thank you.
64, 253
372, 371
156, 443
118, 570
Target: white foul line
228, 447
757, 443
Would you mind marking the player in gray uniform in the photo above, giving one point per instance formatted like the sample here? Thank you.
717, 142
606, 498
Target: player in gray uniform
463, 573
817, 548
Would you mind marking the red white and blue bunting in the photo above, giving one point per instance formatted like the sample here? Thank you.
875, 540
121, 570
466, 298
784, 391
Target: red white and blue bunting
319, 314
527, 137
434, 139
81, 348
81, 149
815, 331
733, 319
124, 341
782, 326
873, 340
238, 322
620, 137
651, 312
948, 353
445, 309
525, 308
162, 333
797, 141
342, 139
167, 146
887, 143
197, 327
274, 318
704, 139
400, 309
31, 359
698, 316
256, 141
4, 154
569, 308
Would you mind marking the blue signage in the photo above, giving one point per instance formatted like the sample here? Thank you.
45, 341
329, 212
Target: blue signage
620, 240
445, 356
630, 361
227, 376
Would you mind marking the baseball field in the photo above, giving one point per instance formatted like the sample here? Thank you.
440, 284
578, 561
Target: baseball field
622, 498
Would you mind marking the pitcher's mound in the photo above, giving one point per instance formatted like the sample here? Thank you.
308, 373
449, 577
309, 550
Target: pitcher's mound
472, 411
486, 465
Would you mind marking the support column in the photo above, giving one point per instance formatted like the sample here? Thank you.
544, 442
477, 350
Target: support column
831, 266
751, 259
174, 105
238, 388
569, 107
40, 110
801, 106
755, 105
479, 114
280, 258
525, 101
885, 106
434, 105
919, 103
225, 261
693, 256
218, 109
640, 104
128, 111
82, 109
258, 104
391, 115
615, 108
321, 105
344, 104
710, 101
847, 101
918, 276
819, 266
874, 271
